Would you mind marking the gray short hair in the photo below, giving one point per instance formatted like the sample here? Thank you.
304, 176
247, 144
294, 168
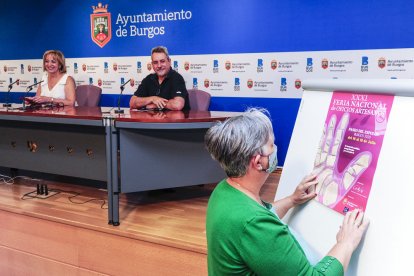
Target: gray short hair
160, 49
233, 142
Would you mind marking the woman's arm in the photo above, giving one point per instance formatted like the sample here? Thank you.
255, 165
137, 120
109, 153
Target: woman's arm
301, 195
70, 94
38, 91
353, 226
349, 236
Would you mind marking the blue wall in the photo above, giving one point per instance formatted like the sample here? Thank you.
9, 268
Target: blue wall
225, 26
215, 27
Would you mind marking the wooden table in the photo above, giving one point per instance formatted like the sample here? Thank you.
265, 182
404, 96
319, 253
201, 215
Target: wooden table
134, 151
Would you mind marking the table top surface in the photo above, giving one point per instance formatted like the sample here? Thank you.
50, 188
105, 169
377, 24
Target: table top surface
129, 115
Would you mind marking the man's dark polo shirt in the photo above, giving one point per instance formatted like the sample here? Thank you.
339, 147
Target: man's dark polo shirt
172, 86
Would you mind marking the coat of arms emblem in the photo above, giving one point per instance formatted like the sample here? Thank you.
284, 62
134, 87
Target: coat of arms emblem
101, 31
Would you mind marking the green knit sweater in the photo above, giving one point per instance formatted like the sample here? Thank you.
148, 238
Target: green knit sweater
246, 238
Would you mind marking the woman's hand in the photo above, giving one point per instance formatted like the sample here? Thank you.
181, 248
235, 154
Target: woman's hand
305, 190
353, 227
349, 236
41, 99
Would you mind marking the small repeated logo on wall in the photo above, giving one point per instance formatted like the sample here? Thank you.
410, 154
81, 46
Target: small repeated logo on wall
298, 83
236, 84
249, 83
90, 81
228, 65
149, 66
259, 65
273, 64
175, 65
309, 65
139, 67
115, 66
84, 67
206, 83
325, 63
99, 82
381, 62
364, 64
101, 31
195, 83
106, 68
283, 84
215, 66
186, 66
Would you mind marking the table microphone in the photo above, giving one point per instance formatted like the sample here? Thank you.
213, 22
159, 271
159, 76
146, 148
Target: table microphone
7, 104
119, 110
11, 84
28, 89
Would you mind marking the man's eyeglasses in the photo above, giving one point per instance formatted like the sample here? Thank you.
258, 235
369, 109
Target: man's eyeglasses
156, 62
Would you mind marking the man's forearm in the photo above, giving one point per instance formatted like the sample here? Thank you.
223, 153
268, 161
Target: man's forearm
138, 102
175, 104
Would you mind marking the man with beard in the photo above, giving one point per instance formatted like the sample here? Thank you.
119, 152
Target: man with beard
164, 89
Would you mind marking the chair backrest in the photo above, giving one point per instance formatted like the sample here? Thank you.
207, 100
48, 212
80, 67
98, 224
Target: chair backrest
88, 95
199, 99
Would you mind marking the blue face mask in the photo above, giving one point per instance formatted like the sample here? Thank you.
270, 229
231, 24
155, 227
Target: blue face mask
272, 161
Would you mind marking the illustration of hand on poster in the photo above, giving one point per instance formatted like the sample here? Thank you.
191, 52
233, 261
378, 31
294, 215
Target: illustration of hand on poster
348, 151
333, 185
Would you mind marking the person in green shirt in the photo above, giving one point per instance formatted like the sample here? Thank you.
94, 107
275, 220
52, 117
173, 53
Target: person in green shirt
245, 235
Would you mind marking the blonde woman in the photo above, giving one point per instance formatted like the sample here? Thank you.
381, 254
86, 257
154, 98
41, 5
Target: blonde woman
57, 86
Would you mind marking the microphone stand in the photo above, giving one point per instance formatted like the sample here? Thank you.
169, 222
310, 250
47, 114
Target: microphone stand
7, 104
28, 89
119, 110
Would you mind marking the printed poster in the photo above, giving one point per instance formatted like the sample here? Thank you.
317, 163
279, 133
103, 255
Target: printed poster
349, 148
